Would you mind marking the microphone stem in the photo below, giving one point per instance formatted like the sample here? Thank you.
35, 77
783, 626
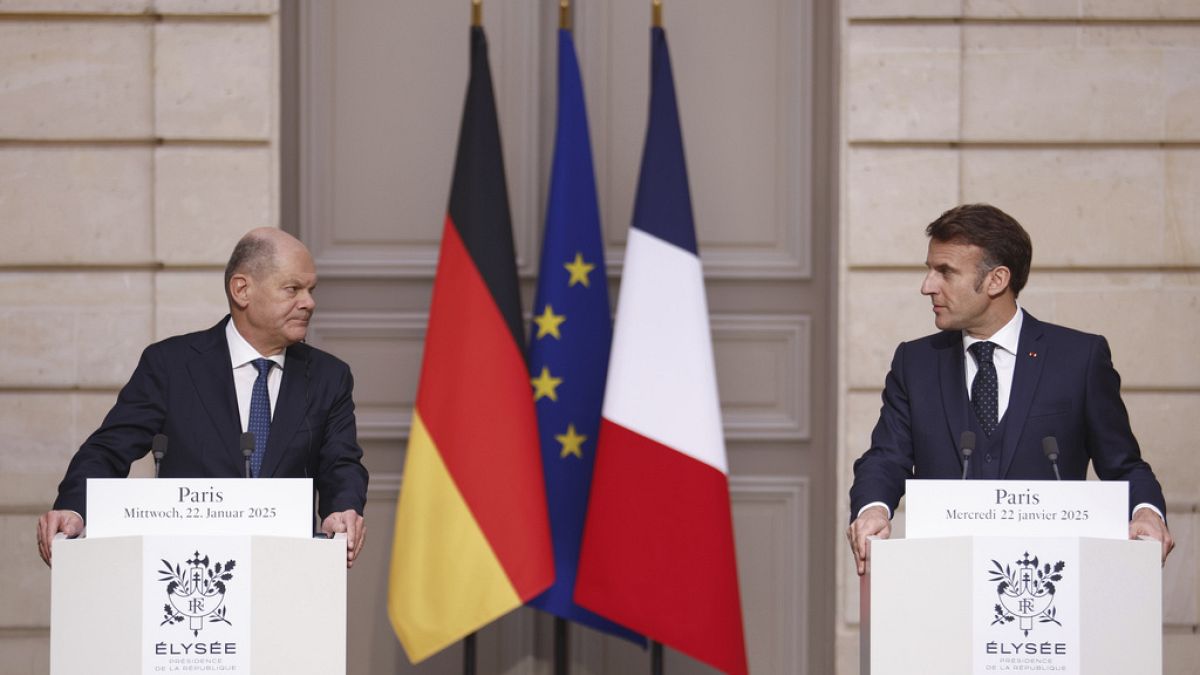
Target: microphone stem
1056, 474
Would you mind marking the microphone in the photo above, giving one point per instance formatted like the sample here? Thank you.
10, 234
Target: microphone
1050, 447
247, 445
158, 447
967, 442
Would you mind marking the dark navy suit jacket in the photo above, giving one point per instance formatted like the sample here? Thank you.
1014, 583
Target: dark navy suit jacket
183, 387
1064, 385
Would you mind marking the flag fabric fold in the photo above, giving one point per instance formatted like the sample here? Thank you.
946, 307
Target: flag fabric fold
658, 549
472, 538
570, 340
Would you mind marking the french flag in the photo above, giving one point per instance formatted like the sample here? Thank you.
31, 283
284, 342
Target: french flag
658, 550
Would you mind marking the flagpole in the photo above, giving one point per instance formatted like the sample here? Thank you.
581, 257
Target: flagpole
469, 640
562, 661
656, 648
469, 655
561, 627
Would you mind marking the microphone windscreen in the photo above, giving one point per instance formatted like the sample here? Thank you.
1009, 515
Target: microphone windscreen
247, 443
1050, 447
159, 445
967, 442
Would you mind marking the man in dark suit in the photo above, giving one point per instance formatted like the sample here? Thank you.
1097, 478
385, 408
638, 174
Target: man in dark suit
997, 371
251, 371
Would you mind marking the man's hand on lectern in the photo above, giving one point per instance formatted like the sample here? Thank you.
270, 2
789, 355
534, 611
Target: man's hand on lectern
351, 523
53, 522
1147, 525
872, 522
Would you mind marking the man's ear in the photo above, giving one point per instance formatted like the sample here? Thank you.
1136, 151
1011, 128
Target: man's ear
998, 280
239, 290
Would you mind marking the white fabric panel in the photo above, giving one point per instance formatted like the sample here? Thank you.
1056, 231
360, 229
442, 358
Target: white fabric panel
661, 378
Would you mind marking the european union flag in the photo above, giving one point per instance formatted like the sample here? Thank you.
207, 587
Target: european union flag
569, 342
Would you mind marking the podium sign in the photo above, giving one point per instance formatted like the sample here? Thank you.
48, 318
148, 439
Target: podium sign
219, 575
196, 604
121, 507
1031, 605
1032, 589
192, 604
1016, 508
1013, 577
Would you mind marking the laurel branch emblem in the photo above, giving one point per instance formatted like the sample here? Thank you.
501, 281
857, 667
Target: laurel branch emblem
1026, 592
196, 591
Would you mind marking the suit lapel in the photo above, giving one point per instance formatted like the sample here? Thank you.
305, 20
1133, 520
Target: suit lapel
212, 376
1030, 357
290, 407
954, 388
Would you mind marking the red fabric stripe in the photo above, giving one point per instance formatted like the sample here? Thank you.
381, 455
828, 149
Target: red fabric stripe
658, 553
477, 404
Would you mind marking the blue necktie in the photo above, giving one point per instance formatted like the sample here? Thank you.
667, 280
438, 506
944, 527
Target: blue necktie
985, 389
260, 414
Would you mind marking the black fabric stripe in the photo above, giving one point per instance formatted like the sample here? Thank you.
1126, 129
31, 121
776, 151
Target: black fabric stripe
479, 193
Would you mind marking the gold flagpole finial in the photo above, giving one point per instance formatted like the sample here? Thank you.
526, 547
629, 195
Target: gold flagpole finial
564, 14
476, 12
656, 13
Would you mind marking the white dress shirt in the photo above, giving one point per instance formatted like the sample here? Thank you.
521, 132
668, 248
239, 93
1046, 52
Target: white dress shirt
1004, 358
242, 355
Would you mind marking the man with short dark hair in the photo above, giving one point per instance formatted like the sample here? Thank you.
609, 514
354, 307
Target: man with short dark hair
997, 371
249, 372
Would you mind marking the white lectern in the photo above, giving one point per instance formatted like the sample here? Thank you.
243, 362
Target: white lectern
957, 603
196, 602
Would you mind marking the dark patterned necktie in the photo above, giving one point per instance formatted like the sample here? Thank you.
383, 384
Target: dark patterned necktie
260, 414
985, 389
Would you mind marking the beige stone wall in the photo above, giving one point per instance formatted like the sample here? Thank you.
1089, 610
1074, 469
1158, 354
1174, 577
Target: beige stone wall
138, 139
1081, 118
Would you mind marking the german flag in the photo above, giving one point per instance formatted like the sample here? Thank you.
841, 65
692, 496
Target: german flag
472, 538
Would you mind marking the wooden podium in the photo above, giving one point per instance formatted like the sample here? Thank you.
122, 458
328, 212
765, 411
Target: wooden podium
195, 602
978, 604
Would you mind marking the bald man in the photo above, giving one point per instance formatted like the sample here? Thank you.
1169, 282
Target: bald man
197, 389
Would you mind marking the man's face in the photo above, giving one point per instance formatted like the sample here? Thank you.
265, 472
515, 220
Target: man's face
281, 303
956, 287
